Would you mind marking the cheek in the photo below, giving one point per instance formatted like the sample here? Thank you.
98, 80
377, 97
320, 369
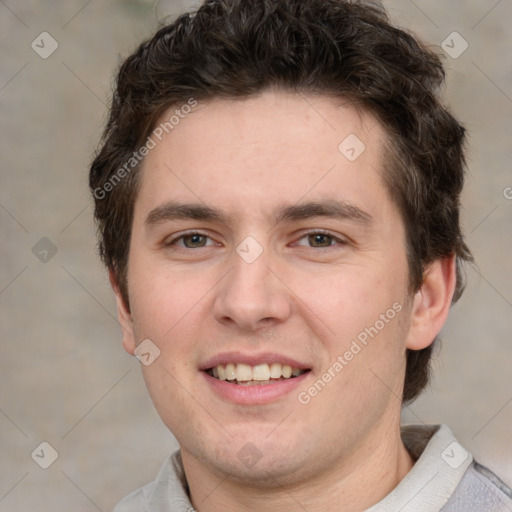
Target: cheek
358, 315
163, 300
165, 309
349, 300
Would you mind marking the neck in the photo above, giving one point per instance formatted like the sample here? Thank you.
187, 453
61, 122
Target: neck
358, 482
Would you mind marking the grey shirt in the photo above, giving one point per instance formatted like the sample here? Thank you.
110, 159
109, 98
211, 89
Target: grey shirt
445, 478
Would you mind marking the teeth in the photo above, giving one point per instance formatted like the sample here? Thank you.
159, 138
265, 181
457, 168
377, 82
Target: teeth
243, 372
287, 371
275, 370
263, 373
230, 371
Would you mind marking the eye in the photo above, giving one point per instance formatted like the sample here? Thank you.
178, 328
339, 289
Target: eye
319, 240
191, 241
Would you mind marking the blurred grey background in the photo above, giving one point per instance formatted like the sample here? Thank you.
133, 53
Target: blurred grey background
65, 377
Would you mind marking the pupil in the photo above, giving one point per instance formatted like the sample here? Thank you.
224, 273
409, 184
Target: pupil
194, 241
320, 240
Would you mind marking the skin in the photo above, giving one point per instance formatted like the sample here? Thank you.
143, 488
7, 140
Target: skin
299, 298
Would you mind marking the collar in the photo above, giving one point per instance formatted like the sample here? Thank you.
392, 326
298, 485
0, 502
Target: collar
440, 465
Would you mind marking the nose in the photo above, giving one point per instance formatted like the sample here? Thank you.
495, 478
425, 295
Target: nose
252, 296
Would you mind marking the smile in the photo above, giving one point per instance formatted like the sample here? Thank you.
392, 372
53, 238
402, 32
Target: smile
260, 374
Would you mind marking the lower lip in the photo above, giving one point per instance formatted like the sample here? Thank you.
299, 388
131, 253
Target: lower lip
254, 394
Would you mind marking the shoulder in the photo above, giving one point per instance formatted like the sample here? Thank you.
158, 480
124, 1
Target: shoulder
445, 477
480, 489
136, 501
169, 491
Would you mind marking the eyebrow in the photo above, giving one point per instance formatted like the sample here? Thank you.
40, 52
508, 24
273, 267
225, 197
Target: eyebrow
329, 208
335, 209
173, 210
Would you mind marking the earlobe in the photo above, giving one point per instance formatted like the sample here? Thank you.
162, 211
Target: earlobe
432, 303
123, 315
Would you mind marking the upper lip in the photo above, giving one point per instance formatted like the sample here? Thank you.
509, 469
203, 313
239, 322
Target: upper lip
252, 360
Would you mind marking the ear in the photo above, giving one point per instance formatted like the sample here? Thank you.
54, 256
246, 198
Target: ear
123, 315
432, 303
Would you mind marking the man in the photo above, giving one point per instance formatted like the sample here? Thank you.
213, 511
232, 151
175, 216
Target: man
277, 195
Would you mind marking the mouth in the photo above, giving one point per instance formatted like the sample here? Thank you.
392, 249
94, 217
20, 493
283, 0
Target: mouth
242, 374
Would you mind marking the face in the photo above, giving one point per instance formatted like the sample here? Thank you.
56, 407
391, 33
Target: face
268, 266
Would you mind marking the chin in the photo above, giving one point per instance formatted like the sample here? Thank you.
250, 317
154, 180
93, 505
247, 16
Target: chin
256, 458
270, 471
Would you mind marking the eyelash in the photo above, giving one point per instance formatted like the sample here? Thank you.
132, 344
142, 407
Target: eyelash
336, 240
183, 236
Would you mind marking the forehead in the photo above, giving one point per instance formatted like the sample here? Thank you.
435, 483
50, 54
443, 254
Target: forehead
277, 146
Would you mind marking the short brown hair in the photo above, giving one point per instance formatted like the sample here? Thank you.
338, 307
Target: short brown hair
347, 49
